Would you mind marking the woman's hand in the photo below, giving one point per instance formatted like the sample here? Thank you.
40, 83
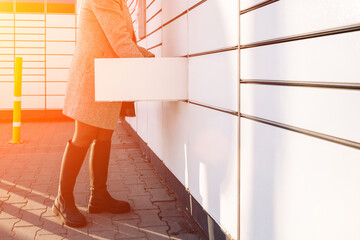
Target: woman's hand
145, 52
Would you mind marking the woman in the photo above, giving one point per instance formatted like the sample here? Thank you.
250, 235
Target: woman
105, 31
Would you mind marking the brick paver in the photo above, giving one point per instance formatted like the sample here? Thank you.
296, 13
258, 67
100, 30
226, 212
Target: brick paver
29, 175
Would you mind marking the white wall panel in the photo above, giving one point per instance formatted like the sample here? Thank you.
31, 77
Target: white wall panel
55, 87
6, 23
154, 39
132, 121
60, 47
212, 163
33, 102
142, 120
30, 30
6, 57
175, 37
7, 44
32, 57
249, 3
153, 9
291, 17
172, 8
26, 37
157, 51
6, 95
58, 34
316, 109
153, 24
29, 44
7, 37
59, 20
6, 30
6, 71
155, 131
213, 80
319, 59
297, 187
142, 43
40, 71
214, 25
33, 78
29, 51
57, 74
6, 50
175, 138
33, 64
54, 102
27, 16
7, 65
33, 88
29, 23
58, 61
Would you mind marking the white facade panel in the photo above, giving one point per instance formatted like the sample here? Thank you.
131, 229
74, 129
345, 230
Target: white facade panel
33, 78
33, 102
172, 8
55, 87
32, 71
30, 44
175, 138
53, 61
297, 187
6, 30
154, 39
153, 24
32, 58
318, 59
6, 23
29, 51
214, 25
142, 120
6, 95
175, 37
249, 3
154, 8
292, 17
9, 44
59, 20
157, 51
60, 47
213, 80
57, 74
27, 16
212, 163
155, 131
315, 109
33, 88
7, 37
59, 34
6, 71
6, 51
30, 30
29, 23
54, 102
26, 37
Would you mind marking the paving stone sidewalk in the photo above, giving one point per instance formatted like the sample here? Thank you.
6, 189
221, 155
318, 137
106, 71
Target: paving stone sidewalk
29, 175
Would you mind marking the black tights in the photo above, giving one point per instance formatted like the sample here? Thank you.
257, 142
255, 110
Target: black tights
85, 134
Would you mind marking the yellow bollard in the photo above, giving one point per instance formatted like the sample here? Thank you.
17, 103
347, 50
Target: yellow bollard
17, 101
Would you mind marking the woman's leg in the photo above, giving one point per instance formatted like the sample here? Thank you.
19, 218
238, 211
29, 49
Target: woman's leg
100, 199
73, 158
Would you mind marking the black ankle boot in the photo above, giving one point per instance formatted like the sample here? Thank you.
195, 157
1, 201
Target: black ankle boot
64, 205
100, 199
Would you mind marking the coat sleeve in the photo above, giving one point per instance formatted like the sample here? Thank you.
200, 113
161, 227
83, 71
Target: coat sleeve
112, 21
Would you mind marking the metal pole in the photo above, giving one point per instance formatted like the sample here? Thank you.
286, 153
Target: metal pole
17, 101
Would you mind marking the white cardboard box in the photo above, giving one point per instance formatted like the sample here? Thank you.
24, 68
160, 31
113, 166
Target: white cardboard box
141, 79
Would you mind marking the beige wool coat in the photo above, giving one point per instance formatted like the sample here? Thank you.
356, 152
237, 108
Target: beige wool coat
105, 31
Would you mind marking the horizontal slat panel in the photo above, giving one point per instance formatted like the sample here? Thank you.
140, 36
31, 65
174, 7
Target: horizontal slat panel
213, 25
29, 51
31, 88
6, 30
213, 80
153, 24
32, 57
58, 61
155, 139
157, 51
29, 37
6, 94
172, 8
319, 110
6, 71
6, 50
33, 64
291, 182
58, 20
60, 47
321, 59
212, 151
55, 87
57, 74
6, 57
30, 16
291, 17
54, 102
142, 117
9, 23
5, 37
30, 23
249, 3
6, 16
7, 64
30, 44
30, 30
33, 78
175, 38
33, 71
154, 39
33, 102
55, 34
6, 43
